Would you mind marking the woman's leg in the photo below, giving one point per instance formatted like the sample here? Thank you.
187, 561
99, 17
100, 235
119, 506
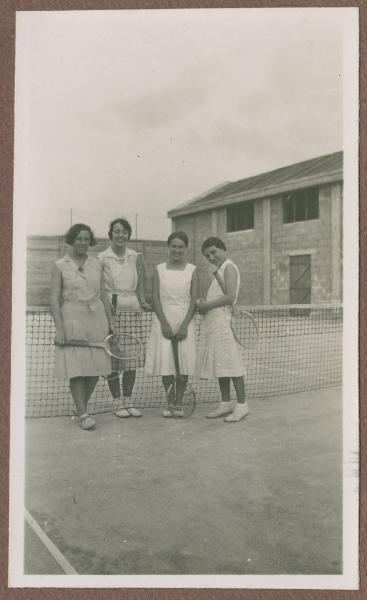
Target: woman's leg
128, 380
81, 389
168, 381
224, 384
90, 384
239, 386
241, 409
114, 384
77, 388
180, 388
226, 406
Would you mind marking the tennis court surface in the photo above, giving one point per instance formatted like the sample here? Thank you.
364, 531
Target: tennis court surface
195, 496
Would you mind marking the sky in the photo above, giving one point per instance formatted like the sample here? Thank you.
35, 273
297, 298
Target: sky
132, 113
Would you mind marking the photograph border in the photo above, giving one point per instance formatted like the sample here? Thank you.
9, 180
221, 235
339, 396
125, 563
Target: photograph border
7, 67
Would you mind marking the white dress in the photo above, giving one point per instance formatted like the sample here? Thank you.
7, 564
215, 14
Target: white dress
220, 353
121, 277
175, 297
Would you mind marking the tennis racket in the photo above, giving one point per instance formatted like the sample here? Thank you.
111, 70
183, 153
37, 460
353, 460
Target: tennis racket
118, 345
188, 404
243, 324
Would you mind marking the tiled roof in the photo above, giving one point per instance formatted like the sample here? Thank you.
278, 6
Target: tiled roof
317, 171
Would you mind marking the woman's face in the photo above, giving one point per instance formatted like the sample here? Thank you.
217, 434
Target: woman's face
176, 250
215, 255
120, 236
82, 242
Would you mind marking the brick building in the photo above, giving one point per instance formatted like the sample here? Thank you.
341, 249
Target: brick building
282, 228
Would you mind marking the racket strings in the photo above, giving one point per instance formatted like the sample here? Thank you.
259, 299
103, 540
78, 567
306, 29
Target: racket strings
189, 400
245, 329
123, 347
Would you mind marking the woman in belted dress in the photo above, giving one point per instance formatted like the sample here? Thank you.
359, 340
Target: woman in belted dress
124, 276
81, 311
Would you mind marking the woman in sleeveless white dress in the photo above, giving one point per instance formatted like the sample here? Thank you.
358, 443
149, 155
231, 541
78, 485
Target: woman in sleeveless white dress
174, 302
220, 355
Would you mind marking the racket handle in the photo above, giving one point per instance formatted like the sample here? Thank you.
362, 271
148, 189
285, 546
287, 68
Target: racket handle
114, 305
73, 343
175, 355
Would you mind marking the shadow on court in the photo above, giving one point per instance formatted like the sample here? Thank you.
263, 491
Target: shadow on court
163, 496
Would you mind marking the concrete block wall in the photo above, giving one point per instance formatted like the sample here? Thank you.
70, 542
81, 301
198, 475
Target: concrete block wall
243, 247
42, 251
198, 228
246, 249
304, 237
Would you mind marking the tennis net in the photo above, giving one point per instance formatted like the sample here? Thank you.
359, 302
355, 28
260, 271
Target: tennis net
299, 348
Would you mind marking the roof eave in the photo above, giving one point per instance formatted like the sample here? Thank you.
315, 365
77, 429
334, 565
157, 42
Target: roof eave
274, 190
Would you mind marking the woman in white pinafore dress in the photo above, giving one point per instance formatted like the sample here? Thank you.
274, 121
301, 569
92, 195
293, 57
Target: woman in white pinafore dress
174, 302
220, 355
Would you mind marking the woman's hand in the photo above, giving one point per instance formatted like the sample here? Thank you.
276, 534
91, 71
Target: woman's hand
181, 333
236, 311
167, 331
60, 336
202, 306
145, 305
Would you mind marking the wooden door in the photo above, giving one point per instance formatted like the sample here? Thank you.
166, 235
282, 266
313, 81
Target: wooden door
300, 279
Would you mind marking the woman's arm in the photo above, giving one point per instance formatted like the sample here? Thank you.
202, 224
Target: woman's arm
140, 289
230, 288
194, 291
157, 307
107, 304
56, 287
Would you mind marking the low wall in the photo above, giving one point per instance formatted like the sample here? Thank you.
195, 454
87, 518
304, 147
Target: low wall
42, 251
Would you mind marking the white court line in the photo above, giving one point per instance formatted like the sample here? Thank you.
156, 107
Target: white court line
272, 368
299, 372
53, 550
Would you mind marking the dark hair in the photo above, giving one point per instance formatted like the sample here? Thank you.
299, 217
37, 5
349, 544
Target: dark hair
125, 224
181, 235
213, 241
74, 231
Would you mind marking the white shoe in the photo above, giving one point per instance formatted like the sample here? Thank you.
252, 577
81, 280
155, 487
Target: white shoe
134, 412
86, 422
240, 412
166, 413
178, 412
123, 413
224, 408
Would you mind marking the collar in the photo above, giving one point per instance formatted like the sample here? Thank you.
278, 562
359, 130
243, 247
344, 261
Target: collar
216, 270
69, 258
111, 254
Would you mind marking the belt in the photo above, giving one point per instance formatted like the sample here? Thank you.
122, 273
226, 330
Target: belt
92, 304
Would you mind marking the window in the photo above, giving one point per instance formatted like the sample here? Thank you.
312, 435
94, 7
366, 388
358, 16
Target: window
301, 205
240, 216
